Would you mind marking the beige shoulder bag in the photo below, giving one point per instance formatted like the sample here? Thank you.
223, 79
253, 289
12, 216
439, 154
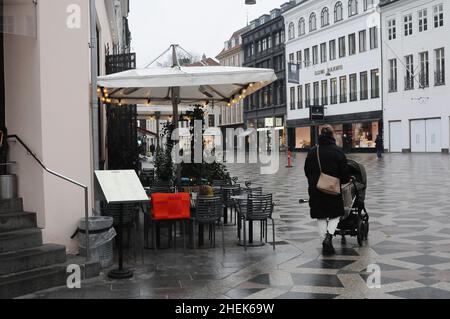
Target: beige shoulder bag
327, 184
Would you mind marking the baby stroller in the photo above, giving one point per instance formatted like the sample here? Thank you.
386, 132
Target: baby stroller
355, 222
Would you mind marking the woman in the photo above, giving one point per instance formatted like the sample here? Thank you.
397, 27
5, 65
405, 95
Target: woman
327, 209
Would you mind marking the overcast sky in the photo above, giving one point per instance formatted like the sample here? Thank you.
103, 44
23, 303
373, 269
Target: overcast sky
199, 26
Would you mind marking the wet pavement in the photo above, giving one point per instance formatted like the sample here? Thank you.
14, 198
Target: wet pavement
409, 205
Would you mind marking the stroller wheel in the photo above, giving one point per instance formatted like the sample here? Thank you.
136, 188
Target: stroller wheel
366, 230
360, 235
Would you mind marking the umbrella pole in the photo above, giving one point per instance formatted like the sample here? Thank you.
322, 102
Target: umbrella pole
175, 101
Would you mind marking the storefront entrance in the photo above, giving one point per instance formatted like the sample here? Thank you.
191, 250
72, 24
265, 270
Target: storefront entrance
352, 137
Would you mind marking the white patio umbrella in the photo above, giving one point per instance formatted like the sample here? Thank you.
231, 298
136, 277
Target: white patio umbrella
183, 85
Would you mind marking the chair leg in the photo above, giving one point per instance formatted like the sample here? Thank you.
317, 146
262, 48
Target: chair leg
146, 229
223, 237
245, 234
184, 234
193, 234
273, 231
154, 236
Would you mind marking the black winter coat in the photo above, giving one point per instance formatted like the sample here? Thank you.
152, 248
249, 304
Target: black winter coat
334, 163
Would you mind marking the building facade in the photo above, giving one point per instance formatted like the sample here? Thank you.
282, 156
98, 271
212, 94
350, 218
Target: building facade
335, 47
416, 44
263, 47
232, 55
47, 98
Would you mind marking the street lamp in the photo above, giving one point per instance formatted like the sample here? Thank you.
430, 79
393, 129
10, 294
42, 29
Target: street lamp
248, 2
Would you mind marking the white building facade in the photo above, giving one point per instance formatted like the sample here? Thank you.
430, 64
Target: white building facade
337, 47
232, 55
416, 44
47, 102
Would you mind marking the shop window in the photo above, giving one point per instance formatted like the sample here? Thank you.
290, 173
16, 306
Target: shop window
303, 137
365, 134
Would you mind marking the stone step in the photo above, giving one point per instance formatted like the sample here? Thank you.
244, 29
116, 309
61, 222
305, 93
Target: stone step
31, 258
28, 282
20, 239
15, 221
11, 205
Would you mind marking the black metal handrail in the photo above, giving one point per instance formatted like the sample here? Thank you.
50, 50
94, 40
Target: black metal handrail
67, 179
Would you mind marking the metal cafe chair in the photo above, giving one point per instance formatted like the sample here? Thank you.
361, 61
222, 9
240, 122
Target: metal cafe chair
259, 208
229, 204
208, 211
242, 205
159, 187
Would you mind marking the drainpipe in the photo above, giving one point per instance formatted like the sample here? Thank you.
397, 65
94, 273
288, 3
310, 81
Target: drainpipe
94, 100
381, 127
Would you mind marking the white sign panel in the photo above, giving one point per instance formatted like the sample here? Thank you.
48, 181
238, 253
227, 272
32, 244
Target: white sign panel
121, 187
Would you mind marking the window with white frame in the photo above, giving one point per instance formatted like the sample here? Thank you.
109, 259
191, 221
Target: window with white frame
408, 24
409, 79
438, 12
291, 31
363, 86
392, 29
325, 17
440, 66
343, 89
392, 86
342, 49
375, 83
312, 22
323, 53
352, 44
292, 96
368, 4
332, 49
300, 97
424, 77
301, 27
423, 20
362, 41
324, 90
315, 55
307, 95
316, 89
353, 83
299, 59
291, 58
307, 57
333, 91
338, 12
352, 7
373, 33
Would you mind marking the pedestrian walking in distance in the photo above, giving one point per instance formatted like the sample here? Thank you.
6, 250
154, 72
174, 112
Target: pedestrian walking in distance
379, 146
326, 208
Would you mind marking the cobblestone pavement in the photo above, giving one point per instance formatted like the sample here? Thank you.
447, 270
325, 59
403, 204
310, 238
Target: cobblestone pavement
409, 205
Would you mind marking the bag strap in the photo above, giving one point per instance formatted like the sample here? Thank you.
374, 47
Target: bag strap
318, 159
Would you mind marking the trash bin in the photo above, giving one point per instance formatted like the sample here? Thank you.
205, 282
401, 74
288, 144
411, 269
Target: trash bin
101, 236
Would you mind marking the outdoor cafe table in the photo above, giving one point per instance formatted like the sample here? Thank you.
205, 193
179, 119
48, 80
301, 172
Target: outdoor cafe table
239, 199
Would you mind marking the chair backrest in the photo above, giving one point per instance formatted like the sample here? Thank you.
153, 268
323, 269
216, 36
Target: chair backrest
252, 190
208, 209
170, 206
260, 206
161, 187
228, 192
221, 182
